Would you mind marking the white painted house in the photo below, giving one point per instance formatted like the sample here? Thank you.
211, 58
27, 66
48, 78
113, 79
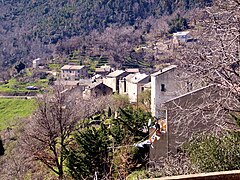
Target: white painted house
36, 63
133, 85
181, 37
113, 78
164, 87
168, 83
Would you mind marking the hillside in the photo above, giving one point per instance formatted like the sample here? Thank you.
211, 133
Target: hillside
31, 29
14, 109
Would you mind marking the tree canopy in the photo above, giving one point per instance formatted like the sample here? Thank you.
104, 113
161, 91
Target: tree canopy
30, 29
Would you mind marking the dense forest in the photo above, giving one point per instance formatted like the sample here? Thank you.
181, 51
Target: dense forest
31, 29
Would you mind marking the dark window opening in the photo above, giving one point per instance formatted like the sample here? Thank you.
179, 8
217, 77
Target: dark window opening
163, 88
125, 85
189, 86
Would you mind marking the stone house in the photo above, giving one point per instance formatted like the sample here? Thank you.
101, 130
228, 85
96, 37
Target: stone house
133, 85
163, 87
103, 70
74, 72
168, 83
181, 37
184, 118
72, 84
113, 78
37, 62
85, 88
96, 89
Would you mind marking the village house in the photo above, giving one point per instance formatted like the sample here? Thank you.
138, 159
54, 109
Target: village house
168, 83
132, 70
97, 77
74, 72
181, 37
184, 117
85, 88
73, 87
164, 86
103, 70
112, 79
96, 89
133, 85
37, 63
72, 84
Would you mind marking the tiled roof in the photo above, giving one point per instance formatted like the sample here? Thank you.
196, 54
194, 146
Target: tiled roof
115, 73
135, 78
164, 70
183, 33
72, 67
132, 70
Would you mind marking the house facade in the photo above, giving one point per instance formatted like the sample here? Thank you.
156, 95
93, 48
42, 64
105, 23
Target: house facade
133, 85
74, 72
168, 83
164, 87
185, 116
36, 63
181, 37
112, 79
96, 89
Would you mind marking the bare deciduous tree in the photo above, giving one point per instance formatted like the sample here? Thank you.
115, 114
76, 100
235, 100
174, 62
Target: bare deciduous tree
49, 132
215, 58
4, 76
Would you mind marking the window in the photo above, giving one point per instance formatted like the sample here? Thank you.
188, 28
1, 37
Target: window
142, 88
163, 88
124, 85
189, 86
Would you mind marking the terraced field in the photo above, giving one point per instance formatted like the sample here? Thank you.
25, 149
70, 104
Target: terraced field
12, 110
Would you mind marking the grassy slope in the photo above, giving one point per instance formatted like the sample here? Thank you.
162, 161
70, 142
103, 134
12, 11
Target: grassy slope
12, 109
14, 86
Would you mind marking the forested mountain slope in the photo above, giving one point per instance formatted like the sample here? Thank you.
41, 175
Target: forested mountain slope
31, 28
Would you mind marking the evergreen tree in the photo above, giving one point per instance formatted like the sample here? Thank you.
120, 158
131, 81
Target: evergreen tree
130, 122
106, 150
90, 154
20, 66
216, 153
177, 24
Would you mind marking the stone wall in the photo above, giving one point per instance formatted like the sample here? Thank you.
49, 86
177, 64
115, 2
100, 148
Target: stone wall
223, 175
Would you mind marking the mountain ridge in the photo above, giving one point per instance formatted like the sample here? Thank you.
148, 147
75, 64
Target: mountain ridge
30, 29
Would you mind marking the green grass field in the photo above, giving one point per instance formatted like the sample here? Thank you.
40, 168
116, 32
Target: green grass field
13, 109
14, 86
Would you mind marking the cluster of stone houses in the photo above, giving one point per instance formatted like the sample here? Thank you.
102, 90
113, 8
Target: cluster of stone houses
107, 81
170, 93
164, 84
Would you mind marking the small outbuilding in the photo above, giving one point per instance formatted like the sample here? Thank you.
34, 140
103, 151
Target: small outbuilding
181, 37
96, 89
